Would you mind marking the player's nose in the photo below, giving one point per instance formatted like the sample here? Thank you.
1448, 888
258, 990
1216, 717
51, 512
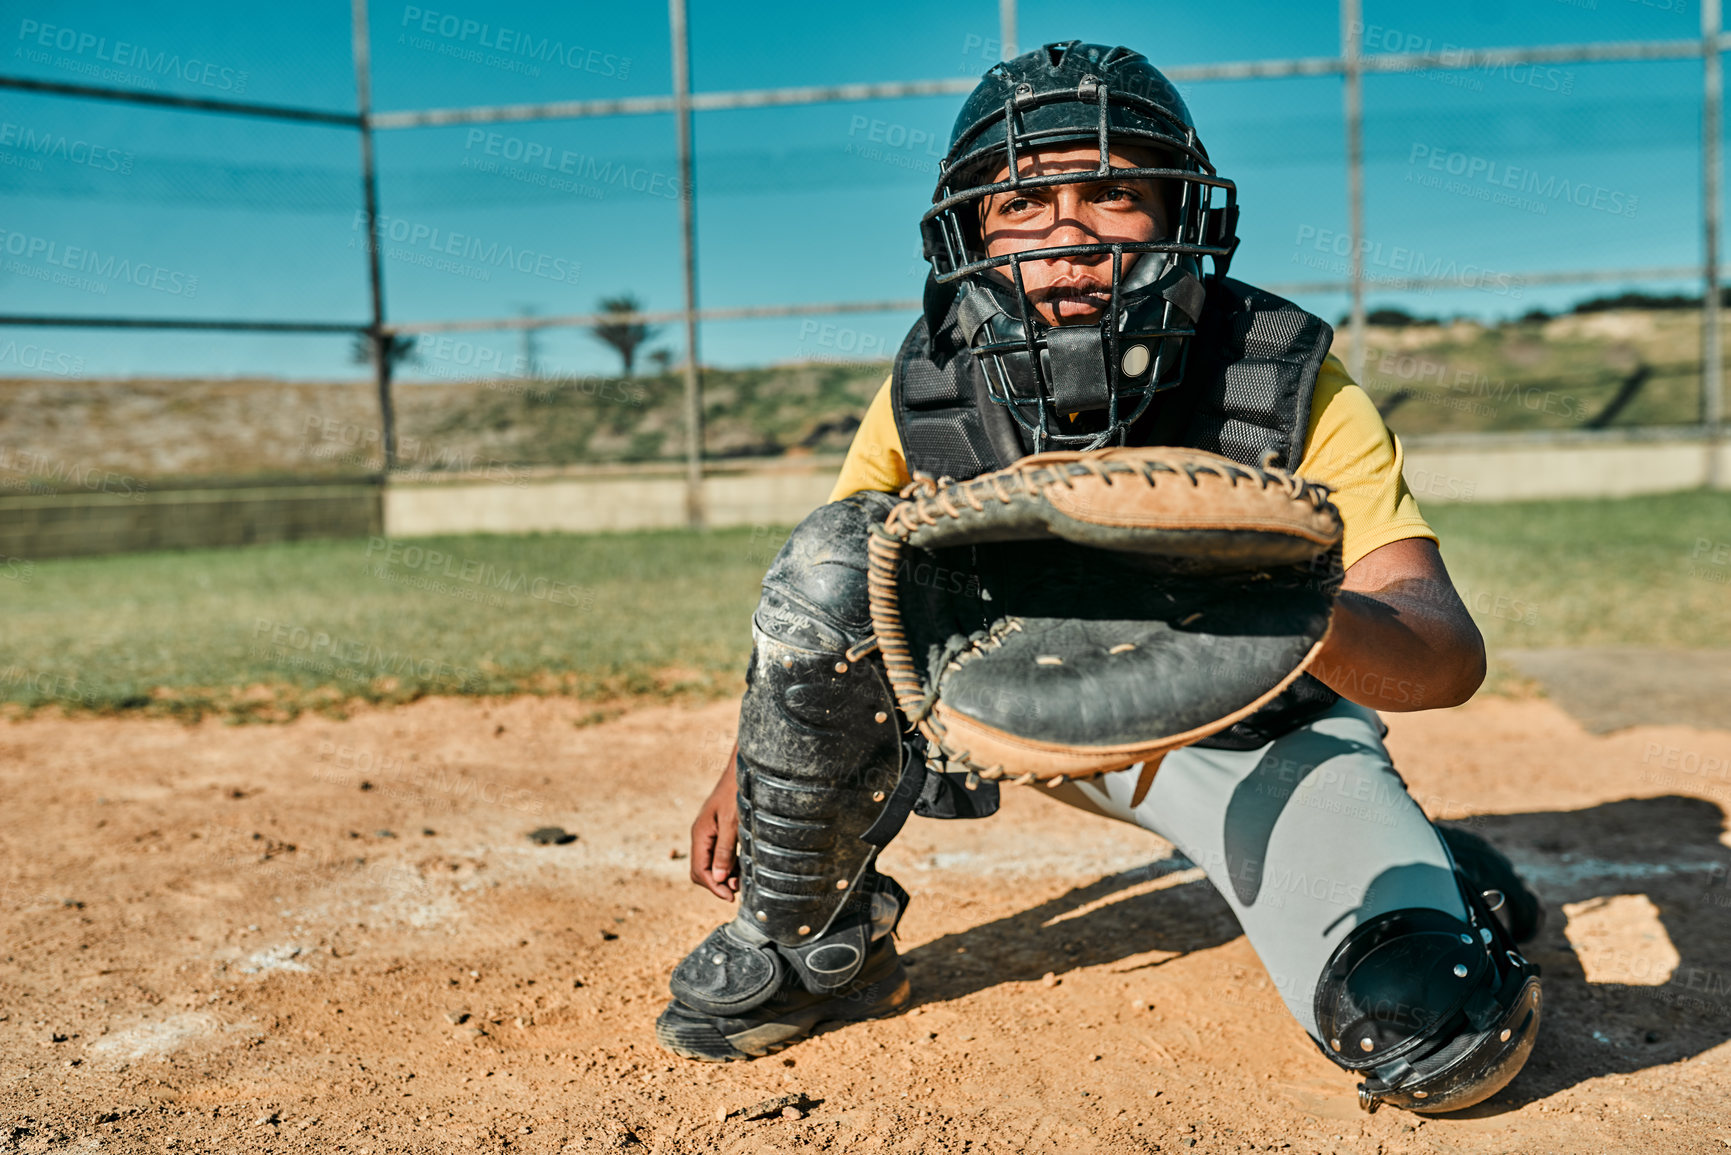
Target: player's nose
1072, 227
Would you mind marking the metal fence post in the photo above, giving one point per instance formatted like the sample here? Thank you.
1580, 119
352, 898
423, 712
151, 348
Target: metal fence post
1351, 35
382, 342
1006, 29
688, 237
1712, 353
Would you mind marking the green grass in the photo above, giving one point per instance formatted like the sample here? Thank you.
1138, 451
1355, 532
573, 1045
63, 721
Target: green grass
1626, 571
269, 631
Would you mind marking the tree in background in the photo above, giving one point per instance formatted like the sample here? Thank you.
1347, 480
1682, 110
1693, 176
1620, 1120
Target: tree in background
399, 349
624, 337
662, 359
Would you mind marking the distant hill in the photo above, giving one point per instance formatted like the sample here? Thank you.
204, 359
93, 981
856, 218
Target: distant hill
1600, 368
66, 434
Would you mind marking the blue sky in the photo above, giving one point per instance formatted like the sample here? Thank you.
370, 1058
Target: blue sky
139, 211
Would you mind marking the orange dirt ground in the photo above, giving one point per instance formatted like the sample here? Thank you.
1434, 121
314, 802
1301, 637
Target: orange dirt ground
217, 939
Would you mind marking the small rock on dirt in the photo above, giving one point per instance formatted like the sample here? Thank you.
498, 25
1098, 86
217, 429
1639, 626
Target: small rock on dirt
779, 1105
457, 1018
551, 836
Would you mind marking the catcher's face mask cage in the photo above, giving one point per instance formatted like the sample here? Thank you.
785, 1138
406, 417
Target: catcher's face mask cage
1104, 373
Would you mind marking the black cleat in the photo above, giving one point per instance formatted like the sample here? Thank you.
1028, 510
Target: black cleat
791, 1014
1488, 871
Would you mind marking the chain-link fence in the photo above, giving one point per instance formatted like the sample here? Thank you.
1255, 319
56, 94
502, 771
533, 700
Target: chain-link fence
540, 256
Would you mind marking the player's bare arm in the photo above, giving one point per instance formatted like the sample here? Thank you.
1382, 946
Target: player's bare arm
1402, 639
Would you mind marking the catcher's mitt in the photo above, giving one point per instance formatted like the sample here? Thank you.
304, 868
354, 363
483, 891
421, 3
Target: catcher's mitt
1081, 612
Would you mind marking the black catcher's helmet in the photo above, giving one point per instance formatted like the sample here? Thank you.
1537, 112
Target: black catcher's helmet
1107, 373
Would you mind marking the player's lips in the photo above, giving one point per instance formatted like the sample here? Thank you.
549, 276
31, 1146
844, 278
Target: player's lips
1073, 300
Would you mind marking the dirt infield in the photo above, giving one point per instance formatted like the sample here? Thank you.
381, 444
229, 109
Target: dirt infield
337, 937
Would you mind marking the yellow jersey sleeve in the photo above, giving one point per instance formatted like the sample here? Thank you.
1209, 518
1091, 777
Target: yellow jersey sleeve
1350, 450
1347, 447
874, 460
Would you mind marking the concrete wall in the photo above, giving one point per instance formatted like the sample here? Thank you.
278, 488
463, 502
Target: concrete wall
779, 492
71, 524
1516, 468
770, 492
765, 492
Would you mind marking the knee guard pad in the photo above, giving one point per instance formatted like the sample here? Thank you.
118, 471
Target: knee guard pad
1434, 1012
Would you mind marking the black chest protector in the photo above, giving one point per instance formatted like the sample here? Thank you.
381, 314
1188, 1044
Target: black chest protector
1249, 378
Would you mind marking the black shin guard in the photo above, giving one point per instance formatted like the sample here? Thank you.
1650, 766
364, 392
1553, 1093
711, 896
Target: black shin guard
824, 781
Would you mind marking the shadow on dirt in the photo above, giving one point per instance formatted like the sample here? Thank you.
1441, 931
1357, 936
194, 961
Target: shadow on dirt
1665, 848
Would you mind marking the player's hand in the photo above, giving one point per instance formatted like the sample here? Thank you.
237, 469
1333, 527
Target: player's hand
715, 835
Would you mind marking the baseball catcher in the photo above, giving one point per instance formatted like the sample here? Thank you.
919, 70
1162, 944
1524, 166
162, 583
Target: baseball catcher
1118, 525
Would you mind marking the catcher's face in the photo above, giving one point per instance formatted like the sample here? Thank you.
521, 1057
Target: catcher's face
1073, 290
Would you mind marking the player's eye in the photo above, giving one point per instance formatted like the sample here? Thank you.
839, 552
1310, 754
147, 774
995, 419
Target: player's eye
1119, 192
